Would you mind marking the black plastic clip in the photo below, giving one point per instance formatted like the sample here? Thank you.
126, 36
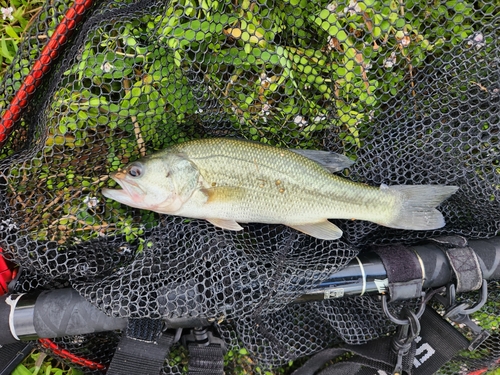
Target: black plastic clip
202, 336
460, 313
399, 321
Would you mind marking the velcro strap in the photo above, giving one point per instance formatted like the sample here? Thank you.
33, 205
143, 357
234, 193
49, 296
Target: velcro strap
467, 269
144, 329
140, 357
404, 271
142, 349
207, 359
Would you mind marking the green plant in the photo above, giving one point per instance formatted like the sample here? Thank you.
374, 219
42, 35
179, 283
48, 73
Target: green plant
39, 363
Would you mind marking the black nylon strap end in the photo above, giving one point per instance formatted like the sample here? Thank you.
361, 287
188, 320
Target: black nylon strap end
206, 360
140, 357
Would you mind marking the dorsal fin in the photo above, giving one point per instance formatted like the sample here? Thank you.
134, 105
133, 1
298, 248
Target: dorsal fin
329, 160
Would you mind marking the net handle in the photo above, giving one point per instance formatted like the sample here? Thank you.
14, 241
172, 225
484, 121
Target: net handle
41, 66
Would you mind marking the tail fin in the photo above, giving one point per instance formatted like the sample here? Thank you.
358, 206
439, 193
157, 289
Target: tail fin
418, 202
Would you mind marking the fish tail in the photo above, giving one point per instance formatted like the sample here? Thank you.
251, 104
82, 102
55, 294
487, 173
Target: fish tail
417, 210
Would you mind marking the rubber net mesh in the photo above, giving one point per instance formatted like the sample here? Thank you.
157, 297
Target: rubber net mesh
409, 90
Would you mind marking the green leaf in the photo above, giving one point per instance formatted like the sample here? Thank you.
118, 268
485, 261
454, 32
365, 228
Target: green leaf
21, 370
11, 32
325, 13
5, 50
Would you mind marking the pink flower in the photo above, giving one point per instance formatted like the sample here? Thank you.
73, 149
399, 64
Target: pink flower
7, 13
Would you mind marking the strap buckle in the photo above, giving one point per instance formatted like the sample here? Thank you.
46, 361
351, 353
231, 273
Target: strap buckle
202, 336
206, 352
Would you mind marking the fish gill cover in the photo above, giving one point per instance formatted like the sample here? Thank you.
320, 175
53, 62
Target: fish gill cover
408, 90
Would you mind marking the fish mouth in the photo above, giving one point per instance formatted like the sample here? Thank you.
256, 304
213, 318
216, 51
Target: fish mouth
129, 193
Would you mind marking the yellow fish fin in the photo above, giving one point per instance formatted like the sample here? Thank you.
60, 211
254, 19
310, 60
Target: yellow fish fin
225, 224
324, 230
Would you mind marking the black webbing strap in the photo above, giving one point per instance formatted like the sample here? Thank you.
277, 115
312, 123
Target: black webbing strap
140, 357
11, 355
207, 360
142, 349
437, 344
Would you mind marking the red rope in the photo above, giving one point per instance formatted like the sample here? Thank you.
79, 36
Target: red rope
63, 353
7, 274
41, 67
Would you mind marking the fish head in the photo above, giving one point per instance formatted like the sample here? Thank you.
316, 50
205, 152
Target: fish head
159, 183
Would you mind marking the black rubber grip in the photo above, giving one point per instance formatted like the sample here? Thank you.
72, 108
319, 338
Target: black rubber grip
63, 312
5, 334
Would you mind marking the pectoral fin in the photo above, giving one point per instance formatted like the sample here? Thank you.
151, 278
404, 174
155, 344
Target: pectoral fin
225, 224
329, 160
324, 230
224, 194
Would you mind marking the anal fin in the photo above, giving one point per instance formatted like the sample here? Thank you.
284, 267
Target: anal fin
225, 224
324, 230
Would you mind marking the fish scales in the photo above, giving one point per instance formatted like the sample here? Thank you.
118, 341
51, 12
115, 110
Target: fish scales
305, 189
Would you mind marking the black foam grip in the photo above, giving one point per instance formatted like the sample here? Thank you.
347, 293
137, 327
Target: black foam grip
5, 334
63, 312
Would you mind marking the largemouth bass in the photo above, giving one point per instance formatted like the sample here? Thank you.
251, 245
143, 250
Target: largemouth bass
228, 181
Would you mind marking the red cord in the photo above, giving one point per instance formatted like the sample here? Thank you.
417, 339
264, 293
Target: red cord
7, 274
63, 353
41, 67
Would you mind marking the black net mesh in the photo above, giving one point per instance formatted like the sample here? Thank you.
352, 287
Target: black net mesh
409, 90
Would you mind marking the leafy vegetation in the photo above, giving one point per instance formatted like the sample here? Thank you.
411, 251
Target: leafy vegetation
39, 363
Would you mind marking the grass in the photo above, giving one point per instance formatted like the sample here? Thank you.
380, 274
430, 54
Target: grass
280, 75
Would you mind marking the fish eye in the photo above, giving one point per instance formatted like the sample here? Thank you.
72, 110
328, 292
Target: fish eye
134, 170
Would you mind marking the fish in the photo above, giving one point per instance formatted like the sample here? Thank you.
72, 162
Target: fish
229, 181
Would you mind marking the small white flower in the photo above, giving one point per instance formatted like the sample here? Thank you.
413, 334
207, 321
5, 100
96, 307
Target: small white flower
390, 61
331, 7
264, 78
319, 118
107, 67
265, 109
125, 250
300, 121
405, 41
477, 40
367, 66
199, 110
353, 8
7, 13
91, 202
